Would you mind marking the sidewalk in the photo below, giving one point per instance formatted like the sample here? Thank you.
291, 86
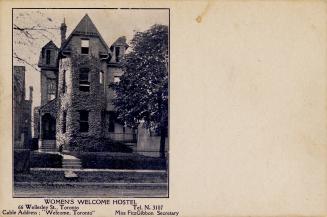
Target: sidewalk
38, 190
100, 170
51, 182
94, 183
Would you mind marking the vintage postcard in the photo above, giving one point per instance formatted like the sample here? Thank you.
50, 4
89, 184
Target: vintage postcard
153, 108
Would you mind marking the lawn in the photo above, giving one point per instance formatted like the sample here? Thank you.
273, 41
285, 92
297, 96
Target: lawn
100, 160
115, 160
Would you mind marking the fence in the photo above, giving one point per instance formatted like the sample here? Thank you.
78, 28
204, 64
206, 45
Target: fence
124, 137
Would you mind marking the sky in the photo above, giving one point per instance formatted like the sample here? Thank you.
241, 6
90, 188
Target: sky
111, 23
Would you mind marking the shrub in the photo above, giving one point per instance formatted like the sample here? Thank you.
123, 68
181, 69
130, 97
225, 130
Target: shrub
120, 161
46, 160
21, 161
34, 144
92, 144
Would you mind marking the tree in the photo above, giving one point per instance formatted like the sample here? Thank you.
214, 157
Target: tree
142, 93
31, 30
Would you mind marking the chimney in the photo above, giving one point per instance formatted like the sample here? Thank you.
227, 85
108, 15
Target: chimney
63, 29
31, 93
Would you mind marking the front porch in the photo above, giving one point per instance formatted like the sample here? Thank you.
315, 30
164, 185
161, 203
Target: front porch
47, 141
47, 127
47, 145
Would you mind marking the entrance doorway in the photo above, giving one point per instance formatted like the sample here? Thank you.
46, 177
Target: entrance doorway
48, 127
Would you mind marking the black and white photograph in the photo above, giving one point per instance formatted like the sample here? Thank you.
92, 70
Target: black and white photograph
90, 102
163, 108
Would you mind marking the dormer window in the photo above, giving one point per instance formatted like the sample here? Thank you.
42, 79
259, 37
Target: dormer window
85, 44
48, 56
117, 52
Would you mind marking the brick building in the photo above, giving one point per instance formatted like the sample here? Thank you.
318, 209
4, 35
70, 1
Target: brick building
22, 109
76, 100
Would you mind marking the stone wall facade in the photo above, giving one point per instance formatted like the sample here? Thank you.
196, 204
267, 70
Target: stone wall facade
71, 100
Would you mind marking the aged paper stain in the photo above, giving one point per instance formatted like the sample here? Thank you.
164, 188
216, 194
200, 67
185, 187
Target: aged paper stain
205, 11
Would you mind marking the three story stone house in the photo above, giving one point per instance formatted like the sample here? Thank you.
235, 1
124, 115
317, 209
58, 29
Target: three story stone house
76, 101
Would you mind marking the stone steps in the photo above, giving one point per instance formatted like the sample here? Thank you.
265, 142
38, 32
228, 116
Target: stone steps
47, 150
71, 163
47, 145
131, 145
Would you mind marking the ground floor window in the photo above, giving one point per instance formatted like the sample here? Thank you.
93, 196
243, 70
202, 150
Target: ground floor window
83, 121
64, 117
112, 118
103, 119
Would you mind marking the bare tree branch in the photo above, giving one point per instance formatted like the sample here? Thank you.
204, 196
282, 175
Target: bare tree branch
34, 66
27, 36
33, 28
24, 31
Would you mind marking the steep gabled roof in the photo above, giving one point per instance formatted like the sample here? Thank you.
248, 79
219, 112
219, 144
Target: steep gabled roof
87, 28
121, 41
50, 44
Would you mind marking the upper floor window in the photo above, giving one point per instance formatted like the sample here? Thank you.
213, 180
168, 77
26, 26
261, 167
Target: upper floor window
116, 79
48, 56
117, 53
101, 77
64, 81
103, 119
84, 80
112, 118
64, 121
51, 97
85, 45
51, 89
